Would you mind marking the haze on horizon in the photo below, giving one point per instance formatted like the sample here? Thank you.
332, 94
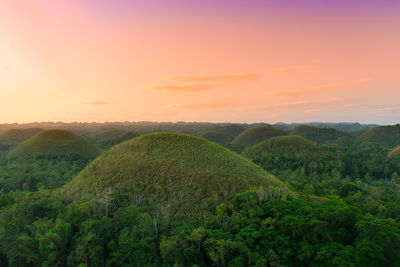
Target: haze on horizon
180, 60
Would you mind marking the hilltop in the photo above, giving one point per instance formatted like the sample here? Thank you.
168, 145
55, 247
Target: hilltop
178, 172
55, 143
256, 135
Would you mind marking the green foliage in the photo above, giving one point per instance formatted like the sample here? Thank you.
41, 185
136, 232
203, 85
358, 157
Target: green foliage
231, 130
31, 174
256, 135
319, 135
12, 137
119, 139
56, 143
218, 138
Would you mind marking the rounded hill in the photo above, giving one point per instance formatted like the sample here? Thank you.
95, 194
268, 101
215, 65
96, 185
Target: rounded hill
291, 146
319, 135
56, 143
388, 136
256, 135
178, 172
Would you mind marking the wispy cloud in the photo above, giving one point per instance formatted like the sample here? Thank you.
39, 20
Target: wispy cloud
294, 69
298, 104
97, 103
205, 105
316, 89
187, 87
235, 77
4, 67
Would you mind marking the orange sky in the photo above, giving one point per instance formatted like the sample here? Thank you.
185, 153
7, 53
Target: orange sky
98, 61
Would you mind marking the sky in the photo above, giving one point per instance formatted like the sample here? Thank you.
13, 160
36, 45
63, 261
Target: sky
186, 60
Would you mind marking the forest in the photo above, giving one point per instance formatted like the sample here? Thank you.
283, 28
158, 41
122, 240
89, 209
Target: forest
307, 195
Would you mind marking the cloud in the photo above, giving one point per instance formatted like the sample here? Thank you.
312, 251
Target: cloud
4, 67
298, 104
206, 105
294, 69
235, 77
317, 89
188, 87
97, 103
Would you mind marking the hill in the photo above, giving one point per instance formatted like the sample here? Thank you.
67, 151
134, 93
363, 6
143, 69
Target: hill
256, 135
13, 137
231, 130
55, 143
218, 138
342, 126
388, 136
103, 136
176, 172
292, 146
319, 135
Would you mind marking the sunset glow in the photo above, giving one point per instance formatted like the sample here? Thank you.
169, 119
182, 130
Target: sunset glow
180, 60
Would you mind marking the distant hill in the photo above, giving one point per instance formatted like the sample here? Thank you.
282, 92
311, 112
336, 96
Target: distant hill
176, 172
231, 130
218, 138
256, 135
388, 136
55, 143
319, 135
11, 138
342, 126
103, 136
291, 145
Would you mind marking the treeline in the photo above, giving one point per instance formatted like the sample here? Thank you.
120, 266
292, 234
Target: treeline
260, 227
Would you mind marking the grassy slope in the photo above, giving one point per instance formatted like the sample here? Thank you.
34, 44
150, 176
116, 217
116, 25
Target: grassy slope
55, 143
256, 135
388, 136
171, 170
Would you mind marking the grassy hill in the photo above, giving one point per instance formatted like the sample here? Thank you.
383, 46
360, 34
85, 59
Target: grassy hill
55, 143
292, 150
319, 135
11, 138
388, 136
231, 130
292, 145
177, 172
256, 135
